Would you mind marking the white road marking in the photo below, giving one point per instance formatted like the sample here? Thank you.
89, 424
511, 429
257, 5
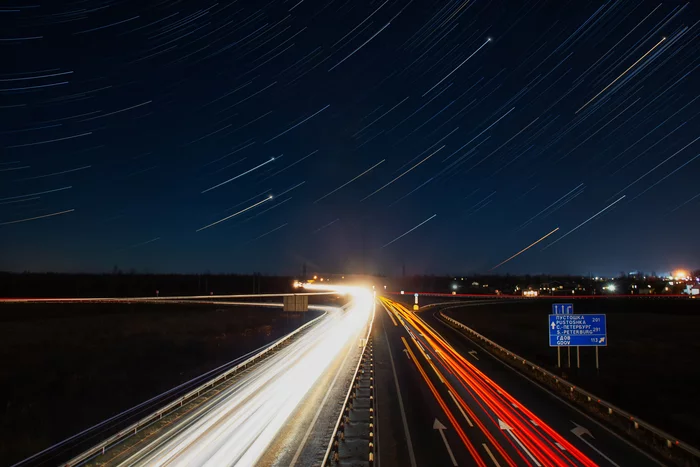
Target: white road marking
488, 451
460, 408
437, 425
409, 445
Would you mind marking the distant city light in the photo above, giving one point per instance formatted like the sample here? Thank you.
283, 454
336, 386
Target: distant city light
680, 274
611, 287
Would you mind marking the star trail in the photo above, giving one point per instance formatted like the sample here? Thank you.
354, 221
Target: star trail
154, 124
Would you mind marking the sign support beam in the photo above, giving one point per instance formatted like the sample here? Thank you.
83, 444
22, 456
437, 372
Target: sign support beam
597, 367
578, 356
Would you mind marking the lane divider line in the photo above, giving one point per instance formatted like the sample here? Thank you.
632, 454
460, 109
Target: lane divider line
460, 408
488, 451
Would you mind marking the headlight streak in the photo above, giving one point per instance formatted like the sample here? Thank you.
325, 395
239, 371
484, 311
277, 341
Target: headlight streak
236, 426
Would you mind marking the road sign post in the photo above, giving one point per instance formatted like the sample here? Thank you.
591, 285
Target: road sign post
562, 309
558, 357
578, 356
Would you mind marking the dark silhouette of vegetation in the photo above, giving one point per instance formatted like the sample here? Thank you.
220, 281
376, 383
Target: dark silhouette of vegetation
132, 284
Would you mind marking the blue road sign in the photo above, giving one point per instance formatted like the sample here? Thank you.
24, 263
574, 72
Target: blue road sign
577, 330
562, 308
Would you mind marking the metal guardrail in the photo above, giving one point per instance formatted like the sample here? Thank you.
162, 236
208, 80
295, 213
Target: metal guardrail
670, 440
105, 445
339, 421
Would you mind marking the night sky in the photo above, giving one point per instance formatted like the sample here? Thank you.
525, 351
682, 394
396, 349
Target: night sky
323, 131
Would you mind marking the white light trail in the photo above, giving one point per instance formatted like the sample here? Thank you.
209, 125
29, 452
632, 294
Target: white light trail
363, 44
326, 225
524, 249
55, 173
348, 183
527, 222
37, 193
386, 185
37, 143
585, 222
269, 232
290, 165
409, 231
665, 177
138, 245
293, 127
235, 214
236, 427
37, 217
240, 175
623, 74
290, 189
458, 66
657, 166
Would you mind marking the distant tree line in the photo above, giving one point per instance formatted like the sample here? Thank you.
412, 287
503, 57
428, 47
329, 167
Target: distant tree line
118, 284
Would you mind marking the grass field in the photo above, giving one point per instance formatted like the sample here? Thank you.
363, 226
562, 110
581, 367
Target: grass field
649, 368
66, 367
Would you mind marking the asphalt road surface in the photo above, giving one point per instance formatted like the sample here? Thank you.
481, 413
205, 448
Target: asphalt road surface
281, 413
443, 401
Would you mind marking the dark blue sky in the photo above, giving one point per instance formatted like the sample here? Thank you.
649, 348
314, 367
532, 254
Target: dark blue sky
128, 128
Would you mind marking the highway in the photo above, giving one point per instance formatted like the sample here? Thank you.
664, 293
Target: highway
268, 415
442, 400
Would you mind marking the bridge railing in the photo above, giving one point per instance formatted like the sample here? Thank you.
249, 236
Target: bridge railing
105, 445
669, 440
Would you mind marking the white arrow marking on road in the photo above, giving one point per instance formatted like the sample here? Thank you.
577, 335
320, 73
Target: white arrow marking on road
405, 351
473, 354
580, 431
505, 427
437, 425
460, 408
553, 326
